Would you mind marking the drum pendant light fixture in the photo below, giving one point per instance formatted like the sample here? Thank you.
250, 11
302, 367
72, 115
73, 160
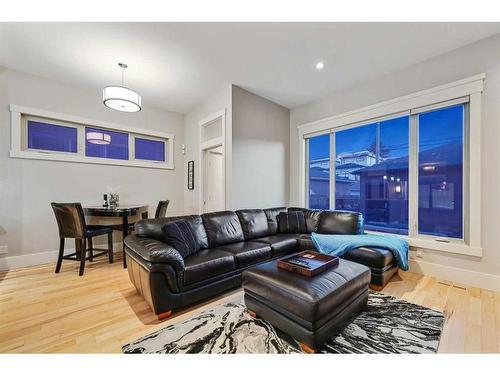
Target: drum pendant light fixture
121, 98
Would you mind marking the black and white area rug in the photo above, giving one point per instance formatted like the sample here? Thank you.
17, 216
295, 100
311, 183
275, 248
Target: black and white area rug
386, 325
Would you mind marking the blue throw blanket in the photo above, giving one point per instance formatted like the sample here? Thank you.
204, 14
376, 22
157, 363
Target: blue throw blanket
339, 244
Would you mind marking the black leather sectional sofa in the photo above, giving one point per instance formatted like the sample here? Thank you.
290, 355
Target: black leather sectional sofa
230, 243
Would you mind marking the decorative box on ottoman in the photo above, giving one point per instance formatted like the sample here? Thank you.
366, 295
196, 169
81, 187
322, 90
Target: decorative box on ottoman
310, 309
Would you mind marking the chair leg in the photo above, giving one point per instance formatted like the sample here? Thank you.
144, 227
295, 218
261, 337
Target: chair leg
60, 256
91, 249
80, 247
110, 247
78, 252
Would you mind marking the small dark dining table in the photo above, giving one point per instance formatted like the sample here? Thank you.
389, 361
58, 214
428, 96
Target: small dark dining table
124, 211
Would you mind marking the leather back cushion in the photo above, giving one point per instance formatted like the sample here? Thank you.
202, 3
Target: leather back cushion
254, 223
272, 218
180, 236
151, 228
340, 222
311, 216
292, 222
222, 228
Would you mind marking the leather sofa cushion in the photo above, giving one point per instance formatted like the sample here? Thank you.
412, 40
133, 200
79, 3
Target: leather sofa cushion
311, 216
254, 223
374, 258
308, 299
180, 235
292, 222
340, 222
155, 251
222, 228
152, 228
247, 252
206, 264
272, 218
281, 243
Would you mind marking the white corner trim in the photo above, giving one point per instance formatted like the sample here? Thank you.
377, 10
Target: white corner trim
36, 259
457, 275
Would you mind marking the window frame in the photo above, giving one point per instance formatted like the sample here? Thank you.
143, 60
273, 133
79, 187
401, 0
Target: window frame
414, 147
434, 98
24, 135
21, 114
149, 138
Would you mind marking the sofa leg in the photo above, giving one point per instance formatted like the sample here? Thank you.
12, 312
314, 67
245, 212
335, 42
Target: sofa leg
164, 315
307, 349
375, 287
252, 314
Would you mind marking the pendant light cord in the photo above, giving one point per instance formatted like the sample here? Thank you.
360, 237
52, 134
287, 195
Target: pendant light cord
123, 66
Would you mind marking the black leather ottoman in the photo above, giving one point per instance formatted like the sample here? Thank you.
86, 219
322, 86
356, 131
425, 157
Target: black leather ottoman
309, 309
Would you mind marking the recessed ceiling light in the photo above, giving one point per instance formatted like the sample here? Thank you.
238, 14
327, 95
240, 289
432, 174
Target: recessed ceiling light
320, 65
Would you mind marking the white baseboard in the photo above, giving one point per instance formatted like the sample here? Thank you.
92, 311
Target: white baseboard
35, 259
457, 275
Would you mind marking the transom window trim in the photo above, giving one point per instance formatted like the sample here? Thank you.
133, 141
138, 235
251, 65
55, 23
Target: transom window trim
463, 91
20, 115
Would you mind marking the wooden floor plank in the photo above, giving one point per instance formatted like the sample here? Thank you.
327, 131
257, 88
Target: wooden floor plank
41, 312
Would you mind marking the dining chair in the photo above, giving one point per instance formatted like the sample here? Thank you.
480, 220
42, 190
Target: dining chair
71, 223
161, 209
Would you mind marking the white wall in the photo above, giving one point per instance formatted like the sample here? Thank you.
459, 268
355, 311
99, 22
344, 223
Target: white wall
27, 223
218, 101
480, 57
260, 151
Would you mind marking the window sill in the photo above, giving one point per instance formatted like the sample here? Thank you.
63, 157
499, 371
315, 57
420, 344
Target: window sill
87, 160
454, 246
449, 247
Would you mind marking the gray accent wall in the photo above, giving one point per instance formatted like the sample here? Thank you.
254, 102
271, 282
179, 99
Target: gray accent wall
260, 151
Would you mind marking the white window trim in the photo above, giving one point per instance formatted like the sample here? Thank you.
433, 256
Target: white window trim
471, 87
17, 141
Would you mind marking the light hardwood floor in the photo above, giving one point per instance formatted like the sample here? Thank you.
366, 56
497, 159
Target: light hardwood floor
41, 312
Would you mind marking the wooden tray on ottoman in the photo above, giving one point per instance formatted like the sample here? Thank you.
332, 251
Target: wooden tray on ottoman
308, 263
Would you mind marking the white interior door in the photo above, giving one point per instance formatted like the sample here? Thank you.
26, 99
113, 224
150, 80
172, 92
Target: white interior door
214, 190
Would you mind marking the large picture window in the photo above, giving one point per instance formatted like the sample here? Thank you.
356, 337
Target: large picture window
372, 167
411, 165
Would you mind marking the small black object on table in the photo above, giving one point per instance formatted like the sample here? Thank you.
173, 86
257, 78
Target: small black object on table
310, 309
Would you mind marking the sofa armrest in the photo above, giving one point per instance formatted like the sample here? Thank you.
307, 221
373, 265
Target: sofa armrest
155, 251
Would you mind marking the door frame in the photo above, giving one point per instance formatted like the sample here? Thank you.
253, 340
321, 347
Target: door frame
206, 145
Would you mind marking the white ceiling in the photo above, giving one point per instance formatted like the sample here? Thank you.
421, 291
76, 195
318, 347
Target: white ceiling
176, 65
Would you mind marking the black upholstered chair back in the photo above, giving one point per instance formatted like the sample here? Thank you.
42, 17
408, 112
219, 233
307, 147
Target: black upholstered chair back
70, 219
161, 209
